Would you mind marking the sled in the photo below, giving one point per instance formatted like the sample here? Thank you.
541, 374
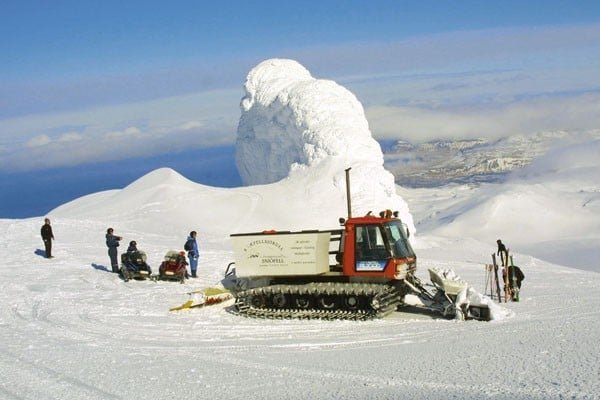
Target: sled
495, 281
451, 289
204, 297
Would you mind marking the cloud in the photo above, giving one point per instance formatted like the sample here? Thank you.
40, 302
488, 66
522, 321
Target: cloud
131, 131
69, 137
191, 125
199, 120
45, 140
38, 141
103, 89
533, 115
549, 46
457, 84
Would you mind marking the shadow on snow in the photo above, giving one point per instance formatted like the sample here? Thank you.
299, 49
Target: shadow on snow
100, 267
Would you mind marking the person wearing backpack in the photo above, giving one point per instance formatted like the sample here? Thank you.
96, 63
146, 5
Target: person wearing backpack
191, 246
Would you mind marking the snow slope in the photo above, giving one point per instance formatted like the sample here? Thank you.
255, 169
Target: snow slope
72, 330
164, 201
551, 209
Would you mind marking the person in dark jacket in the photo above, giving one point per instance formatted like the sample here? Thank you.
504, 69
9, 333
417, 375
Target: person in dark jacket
193, 253
515, 273
132, 247
47, 237
112, 242
502, 252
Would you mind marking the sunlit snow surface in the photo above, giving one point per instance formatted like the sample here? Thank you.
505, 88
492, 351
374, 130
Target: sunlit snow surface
72, 330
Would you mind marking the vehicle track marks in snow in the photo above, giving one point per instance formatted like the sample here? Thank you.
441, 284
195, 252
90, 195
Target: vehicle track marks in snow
65, 324
21, 372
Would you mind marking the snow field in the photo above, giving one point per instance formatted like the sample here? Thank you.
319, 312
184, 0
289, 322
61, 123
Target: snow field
72, 330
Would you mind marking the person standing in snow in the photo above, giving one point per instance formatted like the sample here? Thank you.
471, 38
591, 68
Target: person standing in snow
502, 252
47, 237
112, 242
191, 245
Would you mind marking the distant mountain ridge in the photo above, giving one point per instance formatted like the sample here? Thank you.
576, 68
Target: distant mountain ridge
441, 162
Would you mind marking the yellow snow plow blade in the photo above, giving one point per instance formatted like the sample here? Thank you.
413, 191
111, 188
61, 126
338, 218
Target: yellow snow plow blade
204, 297
184, 306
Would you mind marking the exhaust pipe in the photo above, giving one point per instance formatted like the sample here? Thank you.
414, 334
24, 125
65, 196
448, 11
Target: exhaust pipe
348, 200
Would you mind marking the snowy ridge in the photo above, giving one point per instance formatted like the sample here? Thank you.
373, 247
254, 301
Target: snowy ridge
164, 202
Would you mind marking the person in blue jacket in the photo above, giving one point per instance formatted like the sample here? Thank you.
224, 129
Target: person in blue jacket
112, 242
191, 245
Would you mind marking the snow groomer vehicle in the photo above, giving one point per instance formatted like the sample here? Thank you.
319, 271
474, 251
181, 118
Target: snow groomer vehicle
364, 270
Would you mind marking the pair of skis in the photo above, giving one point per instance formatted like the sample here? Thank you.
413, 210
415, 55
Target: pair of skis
492, 279
511, 287
514, 280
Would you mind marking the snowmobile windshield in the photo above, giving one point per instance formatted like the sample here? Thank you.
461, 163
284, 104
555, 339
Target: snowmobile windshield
398, 242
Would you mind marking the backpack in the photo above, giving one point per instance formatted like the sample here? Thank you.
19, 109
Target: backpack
189, 245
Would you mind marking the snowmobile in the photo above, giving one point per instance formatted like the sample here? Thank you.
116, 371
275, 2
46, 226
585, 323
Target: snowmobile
173, 268
134, 266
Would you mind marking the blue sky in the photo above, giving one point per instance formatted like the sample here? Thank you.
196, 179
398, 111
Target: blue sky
87, 82
65, 55
55, 40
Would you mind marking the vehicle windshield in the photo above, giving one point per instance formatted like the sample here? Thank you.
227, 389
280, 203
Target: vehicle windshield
398, 242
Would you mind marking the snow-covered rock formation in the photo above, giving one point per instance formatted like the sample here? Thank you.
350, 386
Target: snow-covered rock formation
291, 120
293, 125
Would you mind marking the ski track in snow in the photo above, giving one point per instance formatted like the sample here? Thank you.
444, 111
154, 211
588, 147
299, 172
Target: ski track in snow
71, 330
